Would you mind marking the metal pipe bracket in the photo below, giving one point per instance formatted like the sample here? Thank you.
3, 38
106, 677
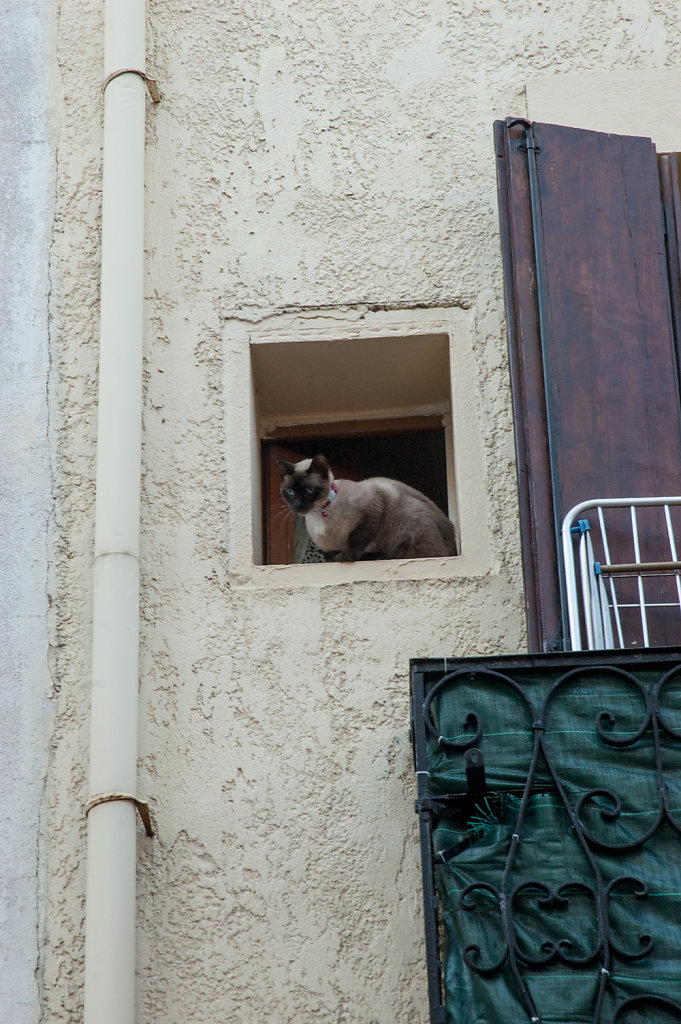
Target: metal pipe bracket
141, 805
151, 83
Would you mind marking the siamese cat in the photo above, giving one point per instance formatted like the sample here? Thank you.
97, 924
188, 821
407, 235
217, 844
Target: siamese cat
377, 517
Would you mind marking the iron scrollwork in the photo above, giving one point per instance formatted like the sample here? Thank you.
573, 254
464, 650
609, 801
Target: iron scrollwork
606, 830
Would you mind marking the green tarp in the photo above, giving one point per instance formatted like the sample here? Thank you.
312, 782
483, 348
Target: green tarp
582, 911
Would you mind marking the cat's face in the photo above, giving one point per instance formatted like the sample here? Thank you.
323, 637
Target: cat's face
304, 484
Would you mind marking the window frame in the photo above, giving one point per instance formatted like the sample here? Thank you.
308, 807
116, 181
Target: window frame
470, 456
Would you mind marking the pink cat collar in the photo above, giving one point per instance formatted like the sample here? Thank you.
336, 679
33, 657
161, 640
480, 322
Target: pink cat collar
332, 495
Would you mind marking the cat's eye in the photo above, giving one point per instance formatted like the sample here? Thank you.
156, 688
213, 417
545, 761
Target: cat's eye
289, 490
310, 490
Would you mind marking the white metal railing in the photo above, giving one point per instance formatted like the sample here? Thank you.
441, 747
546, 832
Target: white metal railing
625, 577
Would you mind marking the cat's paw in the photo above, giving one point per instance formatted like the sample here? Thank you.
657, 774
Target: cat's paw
345, 556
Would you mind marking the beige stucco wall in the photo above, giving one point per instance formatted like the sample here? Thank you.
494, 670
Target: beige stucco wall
326, 157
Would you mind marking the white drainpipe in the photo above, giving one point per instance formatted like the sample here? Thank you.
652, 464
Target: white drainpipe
112, 824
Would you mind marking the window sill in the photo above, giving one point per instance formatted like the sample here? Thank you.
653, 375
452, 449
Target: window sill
325, 574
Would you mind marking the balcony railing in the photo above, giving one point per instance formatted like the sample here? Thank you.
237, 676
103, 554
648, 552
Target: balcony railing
549, 803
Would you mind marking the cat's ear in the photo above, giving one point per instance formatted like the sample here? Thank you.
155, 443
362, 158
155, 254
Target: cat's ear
319, 465
285, 468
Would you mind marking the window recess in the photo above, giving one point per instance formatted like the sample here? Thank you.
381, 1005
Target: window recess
375, 406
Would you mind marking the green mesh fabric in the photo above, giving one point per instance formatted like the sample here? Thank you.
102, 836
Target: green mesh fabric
593, 885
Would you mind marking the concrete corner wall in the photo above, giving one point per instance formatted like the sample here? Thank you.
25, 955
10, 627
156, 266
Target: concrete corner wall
27, 186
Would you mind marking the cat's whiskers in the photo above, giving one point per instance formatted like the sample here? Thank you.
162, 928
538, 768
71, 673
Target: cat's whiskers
282, 511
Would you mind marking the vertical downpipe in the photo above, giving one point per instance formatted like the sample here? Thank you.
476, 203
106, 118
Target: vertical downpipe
112, 826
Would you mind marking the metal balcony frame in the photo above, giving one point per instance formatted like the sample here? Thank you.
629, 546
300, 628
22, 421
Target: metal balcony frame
428, 678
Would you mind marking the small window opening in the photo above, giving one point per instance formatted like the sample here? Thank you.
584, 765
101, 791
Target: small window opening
372, 406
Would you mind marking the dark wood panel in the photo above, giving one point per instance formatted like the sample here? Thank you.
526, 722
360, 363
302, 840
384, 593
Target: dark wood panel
542, 600
670, 174
613, 399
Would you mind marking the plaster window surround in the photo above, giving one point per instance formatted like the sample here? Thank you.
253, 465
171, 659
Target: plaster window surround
291, 373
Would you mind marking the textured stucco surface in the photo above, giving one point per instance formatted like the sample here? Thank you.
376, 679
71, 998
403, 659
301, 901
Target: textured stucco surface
303, 157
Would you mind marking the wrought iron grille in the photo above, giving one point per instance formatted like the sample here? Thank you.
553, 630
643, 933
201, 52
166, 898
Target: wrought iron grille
549, 802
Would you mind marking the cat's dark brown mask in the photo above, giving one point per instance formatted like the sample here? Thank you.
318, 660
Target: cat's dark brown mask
304, 488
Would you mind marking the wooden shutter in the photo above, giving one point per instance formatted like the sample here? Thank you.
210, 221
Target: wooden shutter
593, 359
